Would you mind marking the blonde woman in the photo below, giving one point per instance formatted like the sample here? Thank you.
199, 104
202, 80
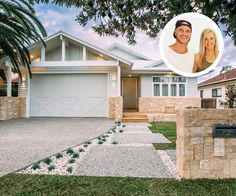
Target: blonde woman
208, 50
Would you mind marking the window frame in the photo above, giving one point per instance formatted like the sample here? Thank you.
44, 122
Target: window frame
169, 83
217, 93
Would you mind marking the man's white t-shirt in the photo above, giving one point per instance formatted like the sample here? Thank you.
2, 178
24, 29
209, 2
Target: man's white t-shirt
182, 62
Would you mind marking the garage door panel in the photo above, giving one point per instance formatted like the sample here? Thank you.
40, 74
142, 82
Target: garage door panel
72, 95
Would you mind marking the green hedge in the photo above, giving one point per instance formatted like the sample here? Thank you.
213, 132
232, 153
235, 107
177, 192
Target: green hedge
3, 91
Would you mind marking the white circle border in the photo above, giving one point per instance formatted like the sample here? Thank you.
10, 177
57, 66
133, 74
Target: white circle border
185, 16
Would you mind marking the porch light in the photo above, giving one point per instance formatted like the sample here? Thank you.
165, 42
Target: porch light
100, 55
113, 80
113, 77
23, 78
130, 75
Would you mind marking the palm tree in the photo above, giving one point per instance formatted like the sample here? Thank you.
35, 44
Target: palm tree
19, 27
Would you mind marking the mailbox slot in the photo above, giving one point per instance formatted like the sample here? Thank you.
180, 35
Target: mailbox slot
224, 131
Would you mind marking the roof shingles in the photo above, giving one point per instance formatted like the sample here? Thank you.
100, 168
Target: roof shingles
230, 75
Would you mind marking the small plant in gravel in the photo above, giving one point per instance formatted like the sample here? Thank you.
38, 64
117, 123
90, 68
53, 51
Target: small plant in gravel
75, 155
81, 150
69, 151
104, 140
103, 136
35, 166
114, 142
48, 160
69, 169
100, 142
51, 167
88, 142
71, 160
85, 145
59, 155
109, 132
121, 131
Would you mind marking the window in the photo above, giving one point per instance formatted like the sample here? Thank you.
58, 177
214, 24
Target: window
217, 92
164, 89
156, 89
169, 86
181, 90
201, 94
173, 90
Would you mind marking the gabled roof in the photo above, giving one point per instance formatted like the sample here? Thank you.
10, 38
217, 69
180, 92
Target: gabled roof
228, 76
142, 65
127, 50
82, 42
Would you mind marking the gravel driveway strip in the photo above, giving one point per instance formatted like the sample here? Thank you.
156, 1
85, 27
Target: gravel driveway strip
24, 141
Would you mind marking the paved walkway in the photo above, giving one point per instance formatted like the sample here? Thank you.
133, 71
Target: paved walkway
133, 156
25, 141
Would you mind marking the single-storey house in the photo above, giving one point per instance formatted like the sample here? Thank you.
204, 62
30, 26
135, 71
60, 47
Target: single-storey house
73, 78
215, 87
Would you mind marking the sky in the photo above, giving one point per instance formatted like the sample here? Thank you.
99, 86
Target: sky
55, 18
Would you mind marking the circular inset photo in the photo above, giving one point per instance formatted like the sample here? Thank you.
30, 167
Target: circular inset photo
191, 44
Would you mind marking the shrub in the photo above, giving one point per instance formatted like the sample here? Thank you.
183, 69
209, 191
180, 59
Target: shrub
85, 145
81, 150
230, 95
51, 167
114, 142
121, 131
47, 161
35, 166
103, 139
69, 169
100, 142
75, 155
59, 155
88, 142
71, 160
70, 151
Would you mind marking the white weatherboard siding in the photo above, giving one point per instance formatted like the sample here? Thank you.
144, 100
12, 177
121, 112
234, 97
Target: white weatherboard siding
191, 87
74, 53
69, 95
146, 86
54, 55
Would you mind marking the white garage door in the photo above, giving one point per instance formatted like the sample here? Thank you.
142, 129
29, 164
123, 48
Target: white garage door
69, 95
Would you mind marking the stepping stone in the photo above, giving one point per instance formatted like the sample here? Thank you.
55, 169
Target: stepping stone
137, 129
136, 124
172, 154
121, 161
139, 138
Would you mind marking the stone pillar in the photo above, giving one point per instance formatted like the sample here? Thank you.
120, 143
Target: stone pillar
116, 107
199, 155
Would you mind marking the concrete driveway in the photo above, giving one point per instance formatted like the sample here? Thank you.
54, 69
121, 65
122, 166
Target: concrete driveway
24, 141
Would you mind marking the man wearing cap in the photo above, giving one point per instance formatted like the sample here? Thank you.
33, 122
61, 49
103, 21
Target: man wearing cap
178, 54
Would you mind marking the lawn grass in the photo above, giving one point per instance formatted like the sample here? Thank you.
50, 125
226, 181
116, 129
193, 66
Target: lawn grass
25, 184
168, 129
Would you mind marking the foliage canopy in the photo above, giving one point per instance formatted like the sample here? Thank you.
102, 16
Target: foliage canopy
125, 17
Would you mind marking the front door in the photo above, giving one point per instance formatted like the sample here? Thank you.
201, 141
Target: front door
129, 92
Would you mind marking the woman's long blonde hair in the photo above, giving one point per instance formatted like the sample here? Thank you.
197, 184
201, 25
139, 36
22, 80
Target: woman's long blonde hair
202, 47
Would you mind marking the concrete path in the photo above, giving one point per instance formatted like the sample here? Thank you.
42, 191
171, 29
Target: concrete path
133, 156
25, 141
